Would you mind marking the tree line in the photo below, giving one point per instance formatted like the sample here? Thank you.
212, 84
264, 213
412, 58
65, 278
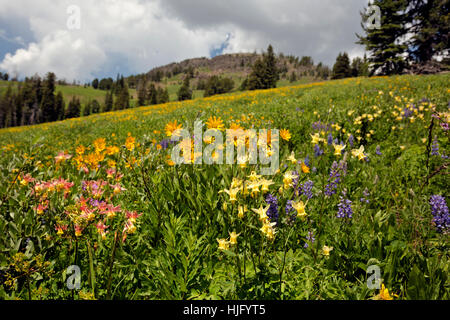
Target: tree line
35, 101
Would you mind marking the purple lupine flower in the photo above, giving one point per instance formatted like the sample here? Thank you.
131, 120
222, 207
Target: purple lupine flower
435, 147
330, 139
289, 209
444, 126
377, 150
164, 143
272, 213
317, 151
306, 161
335, 177
288, 206
344, 208
365, 196
309, 237
351, 140
306, 189
439, 210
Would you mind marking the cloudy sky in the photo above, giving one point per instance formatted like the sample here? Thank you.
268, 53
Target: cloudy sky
133, 36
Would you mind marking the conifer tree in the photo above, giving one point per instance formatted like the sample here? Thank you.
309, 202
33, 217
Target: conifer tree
386, 44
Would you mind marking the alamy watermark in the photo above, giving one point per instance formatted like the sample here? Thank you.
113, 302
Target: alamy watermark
74, 280
373, 14
374, 280
74, 19
251, 144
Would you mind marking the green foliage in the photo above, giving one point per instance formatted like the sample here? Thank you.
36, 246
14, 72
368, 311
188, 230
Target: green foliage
173, 251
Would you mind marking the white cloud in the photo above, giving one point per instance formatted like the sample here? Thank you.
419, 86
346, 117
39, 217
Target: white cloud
134, 36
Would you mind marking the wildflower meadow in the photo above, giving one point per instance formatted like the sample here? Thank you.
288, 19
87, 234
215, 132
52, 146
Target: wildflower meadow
357, 208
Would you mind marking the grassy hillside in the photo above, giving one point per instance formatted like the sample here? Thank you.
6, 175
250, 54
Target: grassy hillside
141, 227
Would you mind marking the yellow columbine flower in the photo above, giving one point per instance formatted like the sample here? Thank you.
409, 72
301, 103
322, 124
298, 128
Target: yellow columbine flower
359, 153
338, 149
291, 158
254, 188
326, 250
241, 211
223, 244
232, 193
233, 237
384, 294
287, 179
262, 212
299, 206
253, 176
316, 139
268, 230
265, 185
236, 183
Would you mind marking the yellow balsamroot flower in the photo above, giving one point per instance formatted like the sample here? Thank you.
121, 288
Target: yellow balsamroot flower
129, 143
224, 244
291, 158
215, 123
232, 193
359, 153
285, 134
326, 250
338, 149
384, 294
233, 237
299, 206
305, 168
236, 126
262, 213
171, 127
80, 150
111, 150
99, 145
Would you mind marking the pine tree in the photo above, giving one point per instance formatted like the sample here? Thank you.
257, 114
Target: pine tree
141, 93
162, 95
431, 29
341, 68
109, 101
271, 71
293, 77
265, 73
185, 93
152, 94
48, 98
73, 109
59, 106
386, 44
95, 83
